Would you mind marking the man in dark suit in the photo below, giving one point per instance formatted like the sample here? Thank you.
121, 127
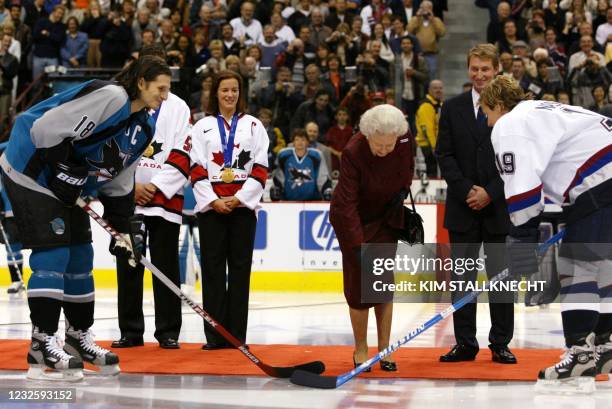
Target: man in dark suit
476, 211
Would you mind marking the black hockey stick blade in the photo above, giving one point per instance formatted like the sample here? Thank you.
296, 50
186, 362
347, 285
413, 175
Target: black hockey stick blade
315, 367
313, 380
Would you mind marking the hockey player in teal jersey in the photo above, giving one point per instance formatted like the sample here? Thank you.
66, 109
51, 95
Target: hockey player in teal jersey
86, 141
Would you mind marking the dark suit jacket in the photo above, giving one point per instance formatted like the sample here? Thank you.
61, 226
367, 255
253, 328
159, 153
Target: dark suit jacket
466, 158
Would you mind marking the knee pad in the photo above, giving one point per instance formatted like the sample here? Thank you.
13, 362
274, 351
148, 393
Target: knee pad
79, 283
48, 267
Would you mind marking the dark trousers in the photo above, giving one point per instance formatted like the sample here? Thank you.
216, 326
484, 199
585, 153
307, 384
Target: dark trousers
162, 237
226, 242
501, 305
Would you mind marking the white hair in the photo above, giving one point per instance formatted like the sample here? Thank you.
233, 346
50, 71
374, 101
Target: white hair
383, 119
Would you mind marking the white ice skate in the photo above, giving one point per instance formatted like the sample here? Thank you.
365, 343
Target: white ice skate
603, 353
16, 287
49, 362
81, 344
575, 373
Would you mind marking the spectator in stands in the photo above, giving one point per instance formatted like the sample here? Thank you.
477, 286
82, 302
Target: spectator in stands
115, 45
356, 101
49, 34
586, 29
579, 59
318, 110
427, 118
341, 44
296, 61
412, 71
276, 97
167, 37
310, 50
509, 37
600, 99
9, 67
563, 98
147, 38
33, 12
314, 82
74, 50
301, 173
544, 81
372, 14
247, 29
604, 31
429, 29
572, 31
281, 30
495, 27
271, 46
519, 74
128, 12
22, 32
217, 54
277, 140
210, 28
231, 46
142, 22
335, 77
185, 49
520, 49
403, 10
301, 16
338, 136
587, 76
357, 35
94, 25
339, 13
601, 14
536, 29
314, 136
554, 16
318, 31
378, 34
555, 49
505, 63
373, 70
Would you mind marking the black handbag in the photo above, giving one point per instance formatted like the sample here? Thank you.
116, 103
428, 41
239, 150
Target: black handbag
413, 231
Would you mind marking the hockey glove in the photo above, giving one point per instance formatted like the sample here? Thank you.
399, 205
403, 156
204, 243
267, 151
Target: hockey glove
521, 247
132, 245
68, 182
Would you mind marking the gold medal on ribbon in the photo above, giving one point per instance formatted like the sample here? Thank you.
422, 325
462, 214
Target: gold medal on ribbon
149, 151
227, 175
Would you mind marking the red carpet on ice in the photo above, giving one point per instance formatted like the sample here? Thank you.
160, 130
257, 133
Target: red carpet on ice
419, 363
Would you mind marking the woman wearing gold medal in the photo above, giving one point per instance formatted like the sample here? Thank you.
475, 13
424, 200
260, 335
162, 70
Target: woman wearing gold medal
229, 172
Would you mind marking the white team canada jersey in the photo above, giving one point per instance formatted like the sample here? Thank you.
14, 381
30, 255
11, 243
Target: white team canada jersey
172, 124
249, 162
547, 147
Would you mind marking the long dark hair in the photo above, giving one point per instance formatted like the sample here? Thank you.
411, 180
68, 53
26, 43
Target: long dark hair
147, 67
213, 101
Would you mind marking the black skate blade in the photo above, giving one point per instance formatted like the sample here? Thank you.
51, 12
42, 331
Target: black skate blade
316, 367
312, 380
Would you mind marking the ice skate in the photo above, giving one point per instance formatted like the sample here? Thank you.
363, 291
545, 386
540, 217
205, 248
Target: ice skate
575, 373
81, 344
603, 353
16, 287
49, 362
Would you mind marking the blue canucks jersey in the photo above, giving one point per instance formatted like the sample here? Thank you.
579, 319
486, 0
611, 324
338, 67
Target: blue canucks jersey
95, 119
301, 178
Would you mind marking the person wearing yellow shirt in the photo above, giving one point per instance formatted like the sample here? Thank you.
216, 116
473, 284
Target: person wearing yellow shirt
427, 117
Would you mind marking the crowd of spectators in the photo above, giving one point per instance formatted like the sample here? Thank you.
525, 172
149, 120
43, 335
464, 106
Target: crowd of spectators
558, 50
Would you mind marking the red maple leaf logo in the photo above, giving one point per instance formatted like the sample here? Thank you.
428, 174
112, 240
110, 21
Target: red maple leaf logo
218, 158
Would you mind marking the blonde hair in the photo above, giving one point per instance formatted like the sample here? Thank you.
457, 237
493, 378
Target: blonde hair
484, 52
504, 91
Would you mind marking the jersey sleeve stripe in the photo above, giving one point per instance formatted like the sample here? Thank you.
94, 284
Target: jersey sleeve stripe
198, 173
525, 200
592, 165
173, 205
259, 173
180, 160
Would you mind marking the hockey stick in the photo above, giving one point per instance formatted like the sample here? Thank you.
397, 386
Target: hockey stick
331, 382
9, 250
275, 371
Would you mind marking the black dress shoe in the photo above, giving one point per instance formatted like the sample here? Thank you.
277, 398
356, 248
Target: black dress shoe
459, 353
356, 364
169, 343
210, 346
125, 342
388, 366
503, 355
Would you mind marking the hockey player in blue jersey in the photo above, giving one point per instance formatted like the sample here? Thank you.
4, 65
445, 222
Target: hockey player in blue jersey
565, 152
86, 141
14, 257
301, 172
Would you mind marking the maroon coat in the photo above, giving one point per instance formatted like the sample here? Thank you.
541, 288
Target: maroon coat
361, 200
